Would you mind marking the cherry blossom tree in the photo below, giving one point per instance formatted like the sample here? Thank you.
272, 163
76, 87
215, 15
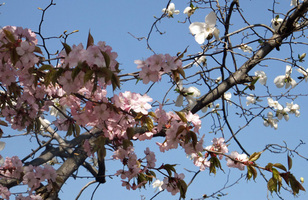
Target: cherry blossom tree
73, 106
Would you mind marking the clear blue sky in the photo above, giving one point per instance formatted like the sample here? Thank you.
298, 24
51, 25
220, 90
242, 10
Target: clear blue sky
111, 21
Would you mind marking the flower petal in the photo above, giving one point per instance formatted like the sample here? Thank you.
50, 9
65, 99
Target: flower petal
210, 19
197, 28
200, 38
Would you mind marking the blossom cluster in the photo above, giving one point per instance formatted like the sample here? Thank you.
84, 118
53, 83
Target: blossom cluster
281, 112
32, 176
135, 167
18, 56
156, 65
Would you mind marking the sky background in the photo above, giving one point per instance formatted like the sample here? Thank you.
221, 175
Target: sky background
112, 21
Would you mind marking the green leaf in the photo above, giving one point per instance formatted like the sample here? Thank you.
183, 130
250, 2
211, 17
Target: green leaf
183, 188
3, 123
272, 185
251, 172
289, 162
269, 166
181, 55
182, 116
255, 156
193, 138
181, 71
67, 48
46, 67
90, 41
9, 35
76, 130
275, 174
69, 130
130, 132
101, 152
181, 128
149, 123
127, 143
38, 50
56, 75
88, 75
280, 166
115, 81
169, 168
107, 58
76, 71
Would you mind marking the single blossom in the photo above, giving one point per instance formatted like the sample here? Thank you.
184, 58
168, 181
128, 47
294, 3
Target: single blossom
218, 145
157, 184
189, 93
245, 48
200, 61
293, 109
276, 23
262, 77
218, 79
251, 99
283, 114
270, 121
207, 30
304, 72
274, 104
238, 157
189, 11
170, 10
286, 79
294, 2
227, 97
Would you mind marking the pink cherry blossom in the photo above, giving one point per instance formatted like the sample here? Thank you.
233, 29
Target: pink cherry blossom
171, 183
240, 157
218, 145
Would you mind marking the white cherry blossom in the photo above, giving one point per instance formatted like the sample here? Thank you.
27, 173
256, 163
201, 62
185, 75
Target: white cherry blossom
270, 121
227, 97
206, 30
286, 79
274, 104
276, 23
262, 77
200, 61
189, 93
294, 2
293, 109
283, 114
170, 11
157, 184
245, 48
251, 99
189, 11
304, 72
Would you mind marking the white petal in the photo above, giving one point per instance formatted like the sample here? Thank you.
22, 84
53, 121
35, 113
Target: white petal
176, 12
171, 7
288, 69
186, 10
197, 28
2, 145
279, 81
179, 101
200, 38
210, 19
216, 34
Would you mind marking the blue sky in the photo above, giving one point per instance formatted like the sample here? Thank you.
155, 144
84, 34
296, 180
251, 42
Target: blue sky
112, 21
